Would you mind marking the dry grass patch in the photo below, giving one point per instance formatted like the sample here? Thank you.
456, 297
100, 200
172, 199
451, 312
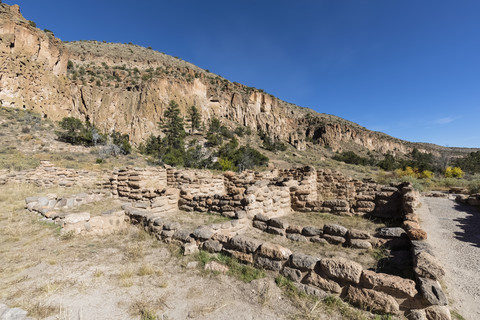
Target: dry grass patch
40, 310
192, 220
147, 308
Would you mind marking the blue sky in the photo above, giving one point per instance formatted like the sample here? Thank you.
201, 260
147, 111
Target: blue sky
408, 68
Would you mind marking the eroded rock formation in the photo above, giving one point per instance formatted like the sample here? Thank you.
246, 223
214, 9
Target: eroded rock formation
35, 77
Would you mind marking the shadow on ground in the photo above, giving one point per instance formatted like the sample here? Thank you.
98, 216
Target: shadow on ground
470, 225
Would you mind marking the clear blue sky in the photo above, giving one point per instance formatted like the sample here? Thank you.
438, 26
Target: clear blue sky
409, 68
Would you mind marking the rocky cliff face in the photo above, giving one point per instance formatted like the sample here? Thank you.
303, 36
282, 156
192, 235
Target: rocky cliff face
33, 66
126, 88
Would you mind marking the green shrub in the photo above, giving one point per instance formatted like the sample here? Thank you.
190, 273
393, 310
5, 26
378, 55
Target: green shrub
240, 131
247, 157
474, 186
388, 163
122, 141
70, 65
75, 132
352, 158
226, 165
174, 157
271, 145
32, 23
195, 158
469, 163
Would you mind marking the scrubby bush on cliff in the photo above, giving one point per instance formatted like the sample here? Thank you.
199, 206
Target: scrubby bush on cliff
122, 141
353, 158
388, 163
232, 157
75, 132
271, 144
247, 157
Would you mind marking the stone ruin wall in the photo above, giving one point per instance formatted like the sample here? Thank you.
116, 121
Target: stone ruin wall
155, 191
271, 193
327, 191
420, 298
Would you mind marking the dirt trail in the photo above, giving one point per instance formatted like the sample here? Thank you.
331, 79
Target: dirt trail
453, 232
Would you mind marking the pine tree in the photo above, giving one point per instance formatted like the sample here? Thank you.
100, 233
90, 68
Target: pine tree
194, 118
173, 127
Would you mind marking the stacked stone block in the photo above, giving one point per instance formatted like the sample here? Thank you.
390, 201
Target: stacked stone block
334, 185
270, 199
330, 233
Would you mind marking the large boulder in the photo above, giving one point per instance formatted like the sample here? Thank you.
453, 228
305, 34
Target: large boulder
342, 269
391, 232
432, 292
274, 251
393, 285
335, 230
269, 264
437, 313
202, 233
76, 217
303, 262
328, 285
427, 266
292, 273
244, 244
358, 234
312, 231
372, 300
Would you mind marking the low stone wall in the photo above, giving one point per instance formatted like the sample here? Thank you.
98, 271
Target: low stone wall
330, 233
137, 183
51, 206
473, 200
317, 276
265, 193
56, 210
47, 175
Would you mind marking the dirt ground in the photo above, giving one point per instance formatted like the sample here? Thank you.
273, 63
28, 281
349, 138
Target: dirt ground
453, 234
128, 275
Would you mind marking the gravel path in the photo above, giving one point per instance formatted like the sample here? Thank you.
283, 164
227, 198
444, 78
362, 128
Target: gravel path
454, 233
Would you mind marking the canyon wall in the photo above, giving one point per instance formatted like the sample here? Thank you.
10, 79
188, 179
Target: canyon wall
35, 76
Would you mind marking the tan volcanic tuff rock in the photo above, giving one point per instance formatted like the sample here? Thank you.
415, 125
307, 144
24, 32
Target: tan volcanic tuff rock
372, 300
34, 76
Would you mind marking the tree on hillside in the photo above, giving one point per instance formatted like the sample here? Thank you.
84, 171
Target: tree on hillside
173, 127
469, 163
194, 118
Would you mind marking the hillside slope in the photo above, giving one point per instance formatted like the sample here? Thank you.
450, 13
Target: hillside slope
126, 88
